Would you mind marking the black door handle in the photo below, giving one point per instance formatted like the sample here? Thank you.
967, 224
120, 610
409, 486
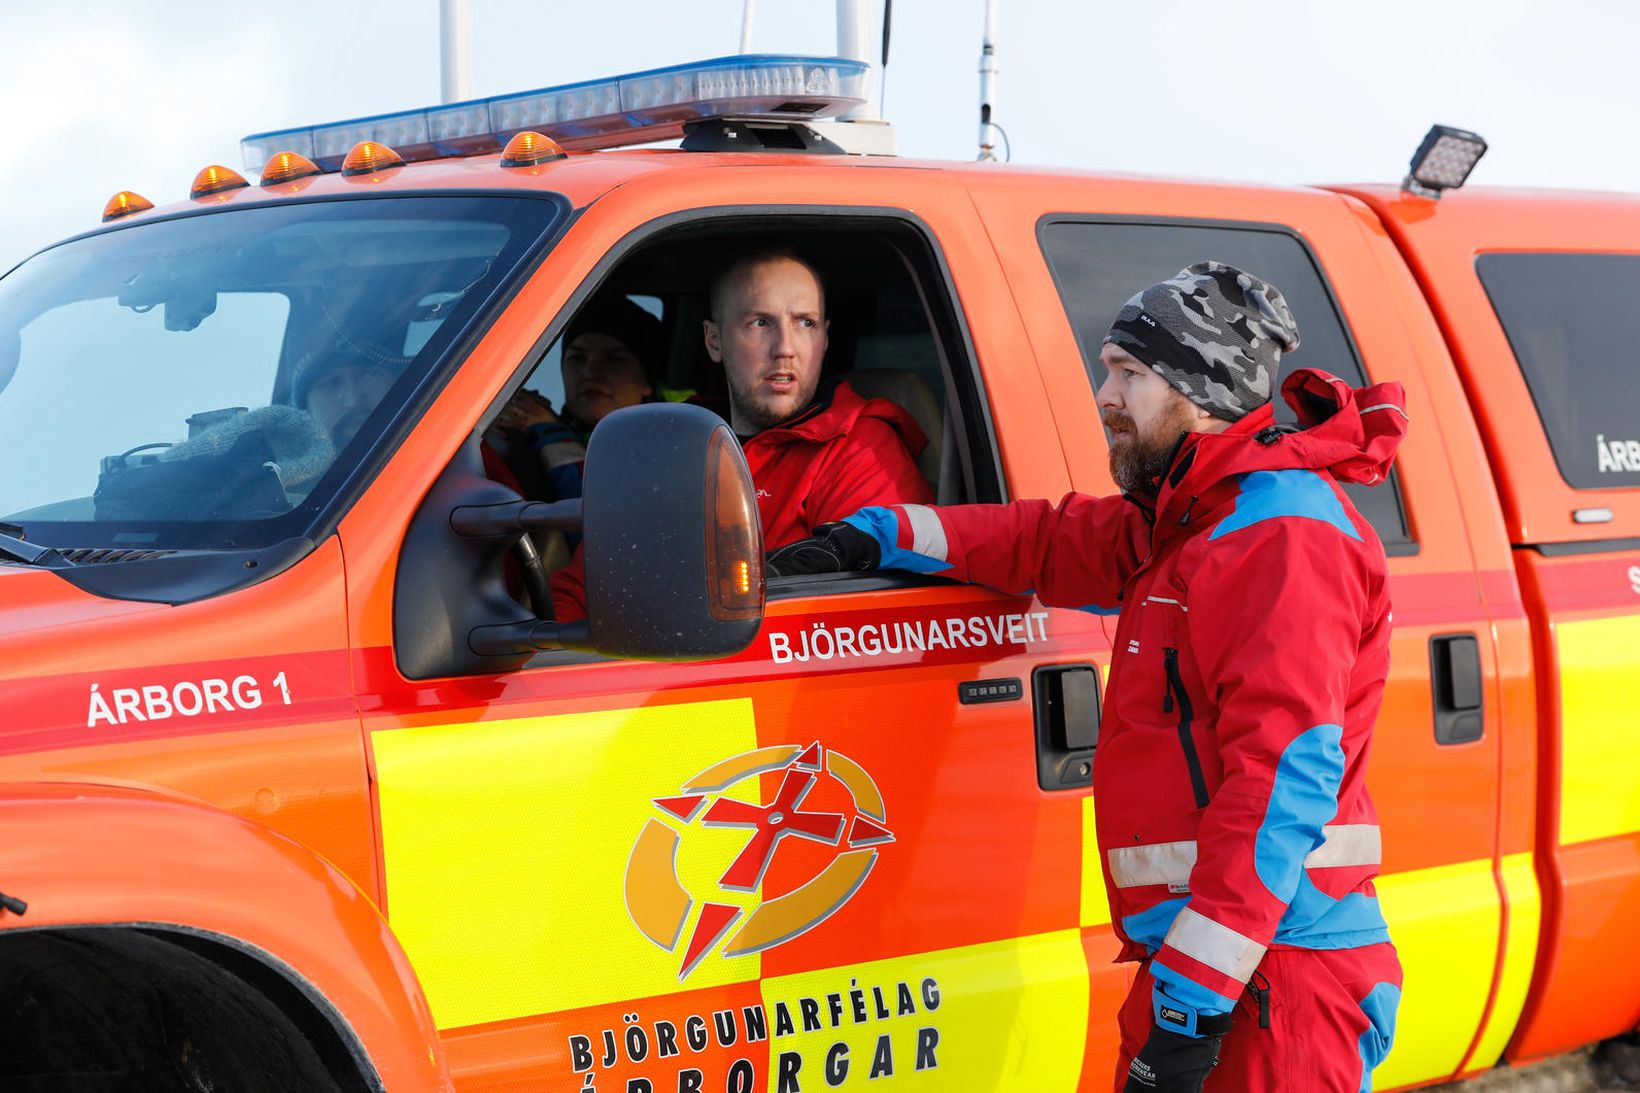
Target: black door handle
1066, 698
1455, 676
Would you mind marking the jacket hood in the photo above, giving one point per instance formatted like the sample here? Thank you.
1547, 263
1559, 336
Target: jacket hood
834, 414
1352, 433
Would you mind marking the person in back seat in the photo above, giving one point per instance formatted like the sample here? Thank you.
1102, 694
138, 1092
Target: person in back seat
816, 452
611, 360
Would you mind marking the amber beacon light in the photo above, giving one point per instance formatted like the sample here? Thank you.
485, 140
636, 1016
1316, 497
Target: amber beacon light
368, 157
125, 203
215, 179
529, 148
287, 167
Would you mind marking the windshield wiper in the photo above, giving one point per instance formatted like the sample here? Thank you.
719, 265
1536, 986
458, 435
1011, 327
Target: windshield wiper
18, 550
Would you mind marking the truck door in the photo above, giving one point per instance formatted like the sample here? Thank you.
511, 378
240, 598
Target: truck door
1536, 294
1074, 254
855, 851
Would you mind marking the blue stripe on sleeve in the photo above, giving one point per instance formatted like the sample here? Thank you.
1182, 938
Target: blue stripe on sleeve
883, 525
1149, 927
1380, 1006
1302, 800
1171, 986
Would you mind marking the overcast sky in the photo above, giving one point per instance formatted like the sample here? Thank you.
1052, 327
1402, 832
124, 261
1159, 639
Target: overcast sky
98, 96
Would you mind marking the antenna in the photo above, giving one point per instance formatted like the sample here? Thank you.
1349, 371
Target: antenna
455, 82
746, 14
988, 85
854, 42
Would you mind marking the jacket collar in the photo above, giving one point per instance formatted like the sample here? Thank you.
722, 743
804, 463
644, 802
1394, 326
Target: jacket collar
833, 414
1351, 433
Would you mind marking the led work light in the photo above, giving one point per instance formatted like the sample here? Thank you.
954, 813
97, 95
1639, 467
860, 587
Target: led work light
1443, 161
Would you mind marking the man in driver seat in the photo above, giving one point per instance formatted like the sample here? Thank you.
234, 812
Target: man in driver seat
342, 388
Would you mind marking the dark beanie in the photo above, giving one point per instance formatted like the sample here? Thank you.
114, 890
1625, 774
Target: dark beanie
618, 317
311, 368
1214, 332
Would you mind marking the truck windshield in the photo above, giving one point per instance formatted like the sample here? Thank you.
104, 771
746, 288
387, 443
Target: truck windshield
212, 381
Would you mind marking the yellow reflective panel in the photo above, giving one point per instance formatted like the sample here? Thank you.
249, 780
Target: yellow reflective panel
1095, 907
1444, 922
1005, 1015
1519, 954
1599, 749
506, 845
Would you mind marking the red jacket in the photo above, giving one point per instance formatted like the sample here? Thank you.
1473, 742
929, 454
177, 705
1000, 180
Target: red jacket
841, 454
832, 459
1247, 671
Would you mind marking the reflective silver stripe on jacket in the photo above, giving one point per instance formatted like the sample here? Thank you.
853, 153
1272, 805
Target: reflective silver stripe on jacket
1347, 844
927, 533
1217, 946
1171, 863
1156, 863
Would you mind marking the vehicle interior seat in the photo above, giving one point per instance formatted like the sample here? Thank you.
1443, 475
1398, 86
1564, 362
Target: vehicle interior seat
909, 391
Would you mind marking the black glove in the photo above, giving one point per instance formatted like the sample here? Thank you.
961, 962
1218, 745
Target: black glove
834, 548
1171, 1062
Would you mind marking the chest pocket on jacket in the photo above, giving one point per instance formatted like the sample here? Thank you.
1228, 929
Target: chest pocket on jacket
1166, 625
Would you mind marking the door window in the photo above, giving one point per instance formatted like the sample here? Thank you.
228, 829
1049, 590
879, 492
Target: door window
1573, 326
1099, 265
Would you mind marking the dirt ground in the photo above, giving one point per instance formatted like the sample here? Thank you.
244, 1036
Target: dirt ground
1580, 1072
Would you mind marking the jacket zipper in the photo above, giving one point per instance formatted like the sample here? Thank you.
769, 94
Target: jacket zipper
1261, 996
1175, 686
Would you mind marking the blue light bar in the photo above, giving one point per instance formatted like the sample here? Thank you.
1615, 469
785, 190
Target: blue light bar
632, 109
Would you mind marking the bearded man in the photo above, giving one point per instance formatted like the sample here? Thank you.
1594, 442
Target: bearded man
1239, 843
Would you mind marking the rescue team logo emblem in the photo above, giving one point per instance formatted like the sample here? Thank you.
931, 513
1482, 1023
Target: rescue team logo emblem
660, 904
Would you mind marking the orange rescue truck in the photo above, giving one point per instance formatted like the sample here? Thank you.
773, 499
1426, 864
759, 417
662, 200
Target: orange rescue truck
297, 791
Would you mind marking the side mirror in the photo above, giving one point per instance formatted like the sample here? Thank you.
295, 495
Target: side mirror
671, 537
671, 543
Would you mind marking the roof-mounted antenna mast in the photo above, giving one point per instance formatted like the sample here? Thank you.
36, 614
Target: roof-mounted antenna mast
854, 42
456, 83
746, 13
988, 86
860, 130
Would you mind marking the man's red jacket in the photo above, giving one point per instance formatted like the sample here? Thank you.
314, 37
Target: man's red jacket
1247, 671
841, 454
834, 458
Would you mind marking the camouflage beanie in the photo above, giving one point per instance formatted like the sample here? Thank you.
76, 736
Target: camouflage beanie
1212, 331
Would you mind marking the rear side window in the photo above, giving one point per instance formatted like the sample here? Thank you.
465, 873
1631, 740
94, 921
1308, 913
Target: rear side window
1574, 326
1098, 265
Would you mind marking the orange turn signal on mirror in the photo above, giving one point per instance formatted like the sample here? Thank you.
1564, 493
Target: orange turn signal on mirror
125, 203
734, 534
367, 157
214, 180
287, 167
529, 148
